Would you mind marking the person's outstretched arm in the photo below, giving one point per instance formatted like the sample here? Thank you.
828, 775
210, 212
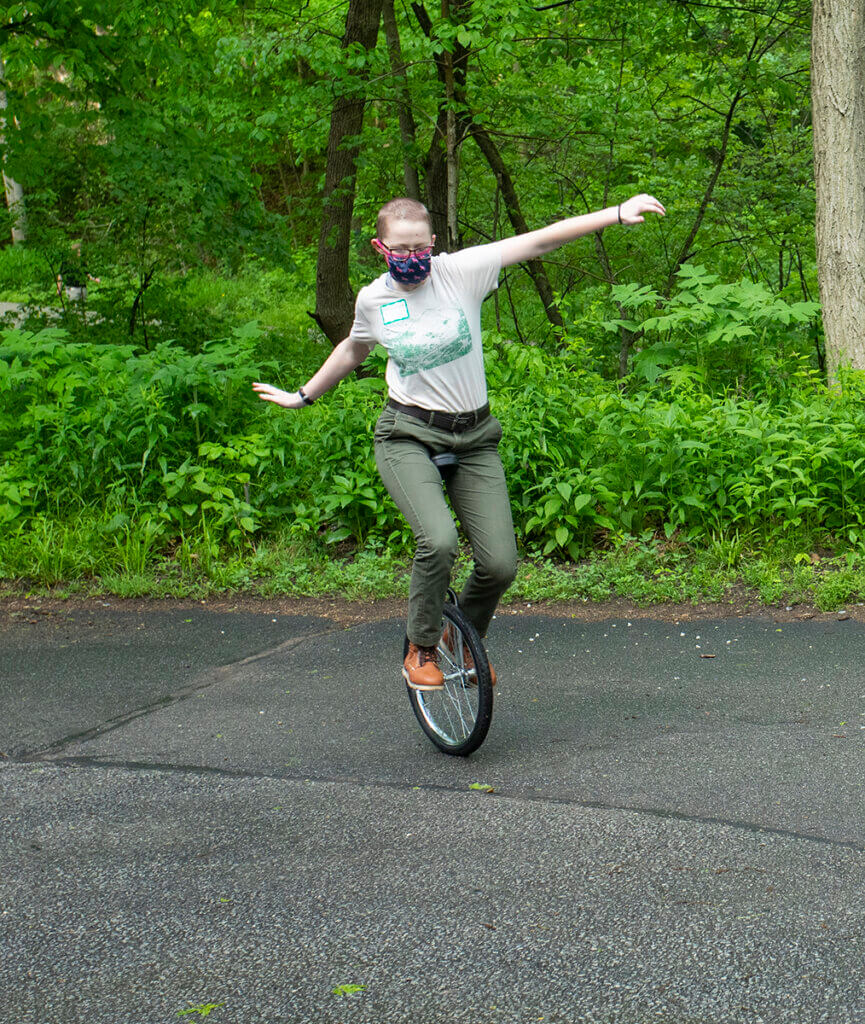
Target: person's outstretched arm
536, 243
346, 356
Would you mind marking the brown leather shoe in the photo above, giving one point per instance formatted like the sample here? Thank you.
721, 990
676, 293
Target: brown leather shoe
468, 660
421, 668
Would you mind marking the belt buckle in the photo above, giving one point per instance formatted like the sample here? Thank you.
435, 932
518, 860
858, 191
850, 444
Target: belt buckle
463, 418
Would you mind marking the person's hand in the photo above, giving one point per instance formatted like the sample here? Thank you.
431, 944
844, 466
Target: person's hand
631, 210
287, 399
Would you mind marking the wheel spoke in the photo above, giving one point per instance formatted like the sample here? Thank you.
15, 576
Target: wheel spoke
453, 690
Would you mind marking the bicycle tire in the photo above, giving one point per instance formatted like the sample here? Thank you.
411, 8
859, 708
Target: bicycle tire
457, 717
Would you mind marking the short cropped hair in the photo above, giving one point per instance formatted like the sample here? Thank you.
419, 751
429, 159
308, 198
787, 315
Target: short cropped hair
401, 209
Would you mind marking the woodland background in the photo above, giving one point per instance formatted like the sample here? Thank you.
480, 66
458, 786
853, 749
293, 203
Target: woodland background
670, 427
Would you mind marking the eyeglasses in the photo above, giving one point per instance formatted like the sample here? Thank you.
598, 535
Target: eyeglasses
401, 251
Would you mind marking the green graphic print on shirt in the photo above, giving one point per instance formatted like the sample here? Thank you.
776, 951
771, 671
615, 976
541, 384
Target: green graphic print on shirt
437, 336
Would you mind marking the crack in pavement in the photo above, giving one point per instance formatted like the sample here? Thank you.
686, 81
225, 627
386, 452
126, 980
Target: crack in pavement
52, 754
211, 678
527, 795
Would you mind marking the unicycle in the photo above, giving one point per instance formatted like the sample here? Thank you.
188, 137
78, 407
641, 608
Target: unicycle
456, 717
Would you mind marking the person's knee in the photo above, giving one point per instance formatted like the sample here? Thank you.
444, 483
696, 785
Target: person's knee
439, 546
499, 571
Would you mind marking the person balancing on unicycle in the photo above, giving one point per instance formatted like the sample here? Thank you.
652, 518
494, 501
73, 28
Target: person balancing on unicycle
426, 312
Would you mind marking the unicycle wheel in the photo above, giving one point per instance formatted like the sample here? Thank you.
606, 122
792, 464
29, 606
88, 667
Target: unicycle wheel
456, 717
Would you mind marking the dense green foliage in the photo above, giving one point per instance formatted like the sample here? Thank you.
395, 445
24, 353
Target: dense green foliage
179, 134
177, 440
121, 463
681, 411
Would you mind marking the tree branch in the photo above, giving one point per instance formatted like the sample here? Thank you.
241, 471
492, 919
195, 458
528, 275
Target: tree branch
518, 221
685, 251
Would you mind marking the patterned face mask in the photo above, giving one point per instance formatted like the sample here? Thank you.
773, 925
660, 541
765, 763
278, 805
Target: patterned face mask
411, 269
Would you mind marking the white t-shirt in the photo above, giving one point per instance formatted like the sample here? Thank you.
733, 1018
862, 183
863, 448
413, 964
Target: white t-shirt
433, 333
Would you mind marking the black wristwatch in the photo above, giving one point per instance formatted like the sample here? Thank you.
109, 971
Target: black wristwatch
304, 397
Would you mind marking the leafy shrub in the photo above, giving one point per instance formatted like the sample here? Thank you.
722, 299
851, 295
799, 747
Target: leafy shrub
89, 424
721, 334
179, 442
181, 438
585, 460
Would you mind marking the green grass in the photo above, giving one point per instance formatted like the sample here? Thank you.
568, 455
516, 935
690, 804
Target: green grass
23, 274
80, 558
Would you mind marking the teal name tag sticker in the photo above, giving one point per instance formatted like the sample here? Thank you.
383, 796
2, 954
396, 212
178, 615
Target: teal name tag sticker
393, 312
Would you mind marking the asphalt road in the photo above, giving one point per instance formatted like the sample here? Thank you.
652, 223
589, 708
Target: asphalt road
238, 811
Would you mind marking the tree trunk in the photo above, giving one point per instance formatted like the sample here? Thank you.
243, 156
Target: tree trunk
407, 129
436, 182
838, 91
441, 169
14, 192
334, 297
15, 202
451, 156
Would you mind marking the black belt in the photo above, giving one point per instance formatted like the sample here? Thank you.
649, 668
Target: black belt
455, 422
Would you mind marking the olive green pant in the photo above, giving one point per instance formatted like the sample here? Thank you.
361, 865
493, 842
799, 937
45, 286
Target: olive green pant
479, 496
